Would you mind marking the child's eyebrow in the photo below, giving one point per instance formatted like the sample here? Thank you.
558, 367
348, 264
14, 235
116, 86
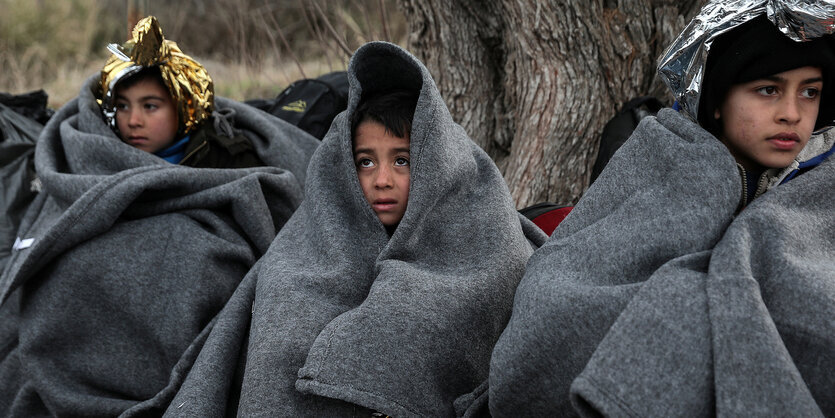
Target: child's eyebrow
151, 97
363, 151
778, 79
141, 99
371, 151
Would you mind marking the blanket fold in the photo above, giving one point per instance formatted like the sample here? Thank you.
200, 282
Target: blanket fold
130, 258
655, 336
772, 302
765, 340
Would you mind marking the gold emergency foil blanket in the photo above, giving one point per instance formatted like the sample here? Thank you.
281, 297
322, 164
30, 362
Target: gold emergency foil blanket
189, 84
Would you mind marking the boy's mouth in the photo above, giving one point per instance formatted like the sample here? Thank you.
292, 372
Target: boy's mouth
784, 140
384, 205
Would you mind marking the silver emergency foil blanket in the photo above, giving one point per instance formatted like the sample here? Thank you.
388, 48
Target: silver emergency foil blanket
682, 65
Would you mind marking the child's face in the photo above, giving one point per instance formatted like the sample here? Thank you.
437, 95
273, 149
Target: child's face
382, 161
766, 122
146, 115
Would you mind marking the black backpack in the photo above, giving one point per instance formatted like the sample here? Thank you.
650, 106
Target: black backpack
620, 127
311, 103
19, 132
33, 105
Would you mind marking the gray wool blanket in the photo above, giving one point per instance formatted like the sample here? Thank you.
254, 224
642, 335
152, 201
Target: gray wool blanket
652, 299
339, 319
125, 260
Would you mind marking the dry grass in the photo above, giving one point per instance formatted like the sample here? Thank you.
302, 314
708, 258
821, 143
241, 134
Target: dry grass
242, 81
252, 48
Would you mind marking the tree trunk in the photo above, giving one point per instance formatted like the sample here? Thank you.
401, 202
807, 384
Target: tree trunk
534, 82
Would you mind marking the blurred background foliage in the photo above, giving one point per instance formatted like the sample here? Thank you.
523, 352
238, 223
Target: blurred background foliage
252, 48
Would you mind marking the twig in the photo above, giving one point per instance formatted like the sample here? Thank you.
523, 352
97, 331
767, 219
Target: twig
137, 9
317, 32
363, 10
385, 20
336, 37
286, 45
271, 38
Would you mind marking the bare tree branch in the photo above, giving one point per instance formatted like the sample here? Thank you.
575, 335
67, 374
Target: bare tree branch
339, 40
287, 45
384, 19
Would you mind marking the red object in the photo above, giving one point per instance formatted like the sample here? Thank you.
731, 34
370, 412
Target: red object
546, 215
549, 221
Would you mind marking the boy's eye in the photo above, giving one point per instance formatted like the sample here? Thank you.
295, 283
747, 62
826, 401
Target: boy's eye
121, 106
401, 162
810, 93
767, 90
365, 163
151, 106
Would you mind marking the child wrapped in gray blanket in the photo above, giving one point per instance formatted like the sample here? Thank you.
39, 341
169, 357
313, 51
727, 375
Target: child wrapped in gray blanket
388, 288
124, 258
160, 100
659, 295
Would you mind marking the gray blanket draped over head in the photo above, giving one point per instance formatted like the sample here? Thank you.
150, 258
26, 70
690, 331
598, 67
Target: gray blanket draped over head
345, 319
129, 259
651, 299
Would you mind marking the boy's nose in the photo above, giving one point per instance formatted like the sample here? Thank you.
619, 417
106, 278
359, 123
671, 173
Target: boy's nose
789, 110
383, 179
135, 118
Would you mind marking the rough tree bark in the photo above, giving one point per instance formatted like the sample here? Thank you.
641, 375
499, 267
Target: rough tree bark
533, 81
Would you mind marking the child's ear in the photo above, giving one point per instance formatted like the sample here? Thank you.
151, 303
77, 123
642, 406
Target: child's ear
716, 114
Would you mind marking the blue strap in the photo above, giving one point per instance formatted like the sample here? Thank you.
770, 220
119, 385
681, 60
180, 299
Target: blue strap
676, 106
809, 163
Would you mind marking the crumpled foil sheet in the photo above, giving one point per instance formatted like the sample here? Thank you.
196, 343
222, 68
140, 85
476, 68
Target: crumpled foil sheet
682, 64
188, 82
